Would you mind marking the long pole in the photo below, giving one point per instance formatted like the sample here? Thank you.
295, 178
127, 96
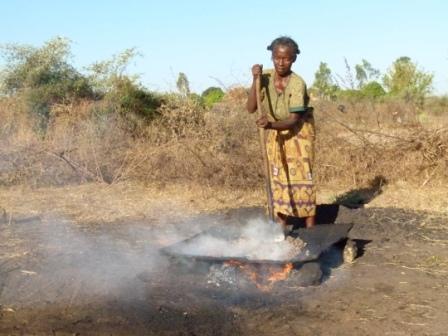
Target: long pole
261, 132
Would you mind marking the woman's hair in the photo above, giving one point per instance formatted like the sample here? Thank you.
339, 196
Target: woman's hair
284, 41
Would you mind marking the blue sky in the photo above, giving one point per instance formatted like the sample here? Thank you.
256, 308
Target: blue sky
215, 43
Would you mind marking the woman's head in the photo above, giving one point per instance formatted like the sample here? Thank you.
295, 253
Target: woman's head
284, 53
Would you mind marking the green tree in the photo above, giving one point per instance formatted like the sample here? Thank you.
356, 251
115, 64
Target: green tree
42, 76
365, 73
211, 96
406, 81
106, 75
323, 82
362, 85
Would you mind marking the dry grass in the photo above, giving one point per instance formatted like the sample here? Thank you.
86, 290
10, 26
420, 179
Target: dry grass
100, 203
93, 202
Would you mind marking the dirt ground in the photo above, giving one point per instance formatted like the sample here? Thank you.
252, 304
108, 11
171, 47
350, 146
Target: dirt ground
84, 261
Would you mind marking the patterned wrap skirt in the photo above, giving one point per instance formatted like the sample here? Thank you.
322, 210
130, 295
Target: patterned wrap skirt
291, 156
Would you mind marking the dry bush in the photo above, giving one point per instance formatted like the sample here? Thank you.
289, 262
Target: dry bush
354, 151
186, 143
370, 114
87, 142
79, 145
16, 126
17, 138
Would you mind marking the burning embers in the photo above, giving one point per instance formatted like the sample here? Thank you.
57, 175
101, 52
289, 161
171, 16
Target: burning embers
263, 276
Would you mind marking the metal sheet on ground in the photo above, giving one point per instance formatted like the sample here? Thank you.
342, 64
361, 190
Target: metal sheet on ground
317, 239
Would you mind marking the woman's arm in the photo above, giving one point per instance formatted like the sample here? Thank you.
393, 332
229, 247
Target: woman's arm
251, 104
281, 125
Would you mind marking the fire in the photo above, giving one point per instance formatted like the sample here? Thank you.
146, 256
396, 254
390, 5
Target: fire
281, 275
264, 277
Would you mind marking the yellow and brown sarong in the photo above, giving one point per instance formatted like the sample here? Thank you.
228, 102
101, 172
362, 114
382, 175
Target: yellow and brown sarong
290, 155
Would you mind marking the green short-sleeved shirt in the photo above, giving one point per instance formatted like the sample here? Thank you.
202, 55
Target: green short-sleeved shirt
294, 98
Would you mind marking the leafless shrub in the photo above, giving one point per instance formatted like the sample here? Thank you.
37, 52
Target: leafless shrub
353, 152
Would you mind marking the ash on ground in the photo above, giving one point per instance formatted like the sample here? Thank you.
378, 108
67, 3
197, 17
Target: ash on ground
223, 275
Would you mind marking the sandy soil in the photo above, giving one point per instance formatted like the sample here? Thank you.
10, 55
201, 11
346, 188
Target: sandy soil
84, 261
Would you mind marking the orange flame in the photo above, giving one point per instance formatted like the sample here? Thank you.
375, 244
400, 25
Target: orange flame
281, 275
268, 276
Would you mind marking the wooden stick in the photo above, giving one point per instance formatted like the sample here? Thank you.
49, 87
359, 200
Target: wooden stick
262, 134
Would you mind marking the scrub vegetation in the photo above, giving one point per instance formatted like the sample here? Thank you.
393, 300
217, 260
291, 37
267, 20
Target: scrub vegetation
62, 125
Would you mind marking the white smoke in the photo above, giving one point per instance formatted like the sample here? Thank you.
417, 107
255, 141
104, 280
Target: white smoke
259, 240
66, 263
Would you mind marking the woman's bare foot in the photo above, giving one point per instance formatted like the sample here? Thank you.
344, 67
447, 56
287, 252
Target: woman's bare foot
282, 220
310, 221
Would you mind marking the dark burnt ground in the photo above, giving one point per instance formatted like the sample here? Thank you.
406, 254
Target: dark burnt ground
64, 278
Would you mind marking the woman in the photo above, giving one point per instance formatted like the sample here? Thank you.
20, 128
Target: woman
290, 135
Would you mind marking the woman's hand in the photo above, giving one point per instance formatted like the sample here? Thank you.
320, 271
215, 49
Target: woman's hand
257, 70
263, 122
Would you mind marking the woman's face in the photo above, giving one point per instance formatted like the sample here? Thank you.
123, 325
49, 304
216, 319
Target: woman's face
283, 58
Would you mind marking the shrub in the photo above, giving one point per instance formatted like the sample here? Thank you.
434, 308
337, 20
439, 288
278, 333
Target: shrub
132, 98
212, 95
373, 90
42, 76
122, 92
